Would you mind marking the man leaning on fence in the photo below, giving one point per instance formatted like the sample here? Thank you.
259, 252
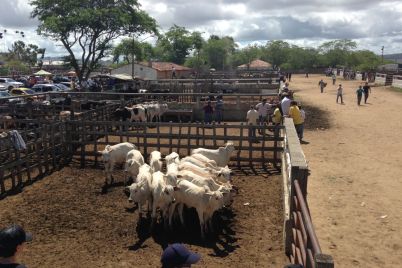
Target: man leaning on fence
251, 118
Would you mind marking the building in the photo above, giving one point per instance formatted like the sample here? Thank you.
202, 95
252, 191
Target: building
255, 65
165, 69
141, 71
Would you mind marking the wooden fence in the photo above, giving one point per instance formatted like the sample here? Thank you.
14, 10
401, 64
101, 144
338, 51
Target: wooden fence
92, 136
301, 243
44, 153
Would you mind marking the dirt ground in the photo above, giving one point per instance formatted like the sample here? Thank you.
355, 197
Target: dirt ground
75, 225
354, 154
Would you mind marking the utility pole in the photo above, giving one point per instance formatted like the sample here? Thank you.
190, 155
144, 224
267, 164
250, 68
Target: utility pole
382, 55
132, 59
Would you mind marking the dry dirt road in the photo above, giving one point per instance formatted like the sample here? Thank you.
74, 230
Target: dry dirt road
355, 157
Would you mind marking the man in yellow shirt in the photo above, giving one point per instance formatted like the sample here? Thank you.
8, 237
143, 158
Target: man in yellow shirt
297, 117
277, 119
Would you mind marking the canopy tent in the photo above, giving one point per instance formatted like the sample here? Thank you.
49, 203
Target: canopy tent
42, 72
71, 73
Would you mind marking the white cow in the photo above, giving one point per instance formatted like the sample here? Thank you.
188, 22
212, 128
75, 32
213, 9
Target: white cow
115, 154
134, 160
210, 163
221, 155
140, 191
155, 161
219, 174
226, 189
205, 202
172, 171
138, 113
162, 195
172, 158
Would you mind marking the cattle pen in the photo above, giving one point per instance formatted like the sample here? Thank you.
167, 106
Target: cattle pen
62, 149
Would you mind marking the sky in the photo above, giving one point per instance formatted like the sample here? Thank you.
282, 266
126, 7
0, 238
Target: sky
309, 23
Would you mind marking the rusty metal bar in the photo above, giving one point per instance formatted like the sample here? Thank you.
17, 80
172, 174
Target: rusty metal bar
307, 219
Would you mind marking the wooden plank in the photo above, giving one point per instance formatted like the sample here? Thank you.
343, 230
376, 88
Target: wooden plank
158, 134
145, 143
324, 261
179, 140
214, 134
189, 140
240, 143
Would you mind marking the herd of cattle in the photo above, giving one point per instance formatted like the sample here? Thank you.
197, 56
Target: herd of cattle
144, 112
201, 181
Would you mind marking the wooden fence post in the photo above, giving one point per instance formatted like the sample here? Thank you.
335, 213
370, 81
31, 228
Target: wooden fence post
323, 261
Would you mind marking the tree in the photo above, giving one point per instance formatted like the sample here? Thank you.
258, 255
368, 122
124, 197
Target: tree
276, 52
89, 26
27, 54
175, 45
337, 52
217, 51
128, 48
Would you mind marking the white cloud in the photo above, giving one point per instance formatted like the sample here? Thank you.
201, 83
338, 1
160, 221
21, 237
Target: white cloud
370, 23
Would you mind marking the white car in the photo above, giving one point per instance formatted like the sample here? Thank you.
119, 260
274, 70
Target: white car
9, 83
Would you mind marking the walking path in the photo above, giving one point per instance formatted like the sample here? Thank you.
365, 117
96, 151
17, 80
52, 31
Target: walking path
355, 186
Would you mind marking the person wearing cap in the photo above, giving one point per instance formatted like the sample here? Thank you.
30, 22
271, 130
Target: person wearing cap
12, 241
177, 255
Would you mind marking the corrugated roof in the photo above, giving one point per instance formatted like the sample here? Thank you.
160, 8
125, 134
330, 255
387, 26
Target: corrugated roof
166, 66
256, 64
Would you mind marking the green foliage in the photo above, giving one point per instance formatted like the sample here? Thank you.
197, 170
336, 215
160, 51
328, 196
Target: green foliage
218, 51
276, 52
90, 26
174, 45
23, 53
337, 52
129, 48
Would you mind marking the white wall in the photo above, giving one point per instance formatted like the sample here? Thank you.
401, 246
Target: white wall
380, 79
397, 81
140, 71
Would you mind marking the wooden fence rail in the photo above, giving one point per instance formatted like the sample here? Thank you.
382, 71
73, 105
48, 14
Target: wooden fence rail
44, 153
301, 243
92, 136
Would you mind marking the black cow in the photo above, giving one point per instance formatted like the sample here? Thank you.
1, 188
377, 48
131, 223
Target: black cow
122, 114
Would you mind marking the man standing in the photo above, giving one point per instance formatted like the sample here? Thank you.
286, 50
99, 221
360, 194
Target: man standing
366, 90
339, 94
251, 118
263, 108
359, 93
297, 117
12, 243
285, 104
322, 84
333, 78
277, 119
208, 112
173, 72
219, 110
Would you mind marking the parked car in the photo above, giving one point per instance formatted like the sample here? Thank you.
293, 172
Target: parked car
59, 79
2, 87
21, 91
41, 88
4, 94
63, 87
10, 83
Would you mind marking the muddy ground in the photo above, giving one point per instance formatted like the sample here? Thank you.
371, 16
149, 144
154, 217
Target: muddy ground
75, 225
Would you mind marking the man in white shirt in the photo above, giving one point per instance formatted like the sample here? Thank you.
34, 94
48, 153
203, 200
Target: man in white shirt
263, 109
285, 104
251, 118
